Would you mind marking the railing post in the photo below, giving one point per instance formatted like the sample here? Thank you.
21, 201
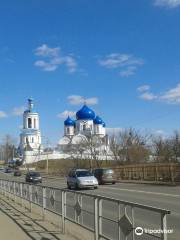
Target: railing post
30, 197
133, 222
14, 191
5, 185
96, 218
163, 226
119, 217
44, 203
8, 189
21, 193
78, 199
100, 217
1, 185
63, 211
81, 204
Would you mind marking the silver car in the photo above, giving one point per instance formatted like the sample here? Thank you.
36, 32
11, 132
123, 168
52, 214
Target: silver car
81, 178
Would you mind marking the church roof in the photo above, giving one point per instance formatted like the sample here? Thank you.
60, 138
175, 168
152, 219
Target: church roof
85, 113
98, 120
69, 122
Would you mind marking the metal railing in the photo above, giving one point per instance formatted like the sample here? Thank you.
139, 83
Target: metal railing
106, 217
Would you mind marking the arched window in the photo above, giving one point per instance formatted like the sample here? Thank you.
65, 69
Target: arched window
29, 123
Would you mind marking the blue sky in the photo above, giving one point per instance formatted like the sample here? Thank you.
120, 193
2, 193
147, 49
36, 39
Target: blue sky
122, 56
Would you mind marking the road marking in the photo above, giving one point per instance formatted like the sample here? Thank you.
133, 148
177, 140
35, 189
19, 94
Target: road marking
139, 191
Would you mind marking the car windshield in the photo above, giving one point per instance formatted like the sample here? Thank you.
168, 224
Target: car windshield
34, 174
108, 171
83, 174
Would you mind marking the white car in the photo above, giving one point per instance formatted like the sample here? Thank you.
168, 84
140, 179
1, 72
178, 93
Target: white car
81, 178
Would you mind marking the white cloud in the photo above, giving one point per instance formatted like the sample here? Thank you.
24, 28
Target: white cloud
46, 66
128, 71
167, 3
126, 63
148, 96
18, 111
78, 100
70, 63
52, 58
172, 96
66, 113
143, 88
3, 114
46, 51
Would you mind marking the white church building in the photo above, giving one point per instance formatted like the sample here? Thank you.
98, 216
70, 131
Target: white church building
87, 126
30, 137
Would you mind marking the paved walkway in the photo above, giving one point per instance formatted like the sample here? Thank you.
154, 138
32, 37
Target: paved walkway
9, 229
18, 224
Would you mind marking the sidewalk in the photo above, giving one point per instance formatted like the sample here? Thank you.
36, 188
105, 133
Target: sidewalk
9, 229
17, 223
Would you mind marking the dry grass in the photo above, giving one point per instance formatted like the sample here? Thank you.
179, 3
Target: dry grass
62, 166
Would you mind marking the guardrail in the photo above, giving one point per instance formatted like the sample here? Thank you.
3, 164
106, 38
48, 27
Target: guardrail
106, 217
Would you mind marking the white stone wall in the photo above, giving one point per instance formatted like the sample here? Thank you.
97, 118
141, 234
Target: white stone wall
31, 157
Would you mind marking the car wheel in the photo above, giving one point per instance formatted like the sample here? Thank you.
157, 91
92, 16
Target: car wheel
68, 186
113, 182
96, 187
77, 186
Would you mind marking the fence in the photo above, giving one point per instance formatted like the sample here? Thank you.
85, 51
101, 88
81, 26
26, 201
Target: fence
149, 172
106, 217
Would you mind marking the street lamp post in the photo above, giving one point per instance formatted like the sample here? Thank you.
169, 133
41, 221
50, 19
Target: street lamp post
47, 154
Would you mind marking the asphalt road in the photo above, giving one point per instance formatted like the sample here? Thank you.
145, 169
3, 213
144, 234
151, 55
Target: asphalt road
166, 197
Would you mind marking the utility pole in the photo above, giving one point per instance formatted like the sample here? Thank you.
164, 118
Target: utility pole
47, 156
47, 163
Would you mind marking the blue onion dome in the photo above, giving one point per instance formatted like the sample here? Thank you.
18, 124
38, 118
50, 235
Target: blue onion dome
85, 113
69, 122
98, 120
103, 124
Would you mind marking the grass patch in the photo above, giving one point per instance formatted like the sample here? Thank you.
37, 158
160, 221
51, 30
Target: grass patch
62, 166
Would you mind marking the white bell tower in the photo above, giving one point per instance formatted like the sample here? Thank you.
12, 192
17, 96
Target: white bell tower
30, 137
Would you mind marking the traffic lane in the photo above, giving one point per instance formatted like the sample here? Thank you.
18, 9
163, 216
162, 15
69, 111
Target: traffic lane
151, 187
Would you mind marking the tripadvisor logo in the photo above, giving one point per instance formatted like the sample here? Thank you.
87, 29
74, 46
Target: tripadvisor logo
139, 231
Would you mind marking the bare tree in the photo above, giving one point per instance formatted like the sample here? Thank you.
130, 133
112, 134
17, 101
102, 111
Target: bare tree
130, 146
87, 149
9, 149
162, 149
176, 145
